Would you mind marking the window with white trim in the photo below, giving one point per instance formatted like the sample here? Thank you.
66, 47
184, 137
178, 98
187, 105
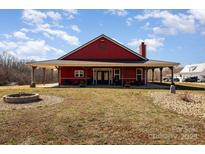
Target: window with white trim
79, 73
117, 74
139, 75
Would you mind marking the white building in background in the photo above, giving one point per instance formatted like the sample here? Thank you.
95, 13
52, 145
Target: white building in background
193, 70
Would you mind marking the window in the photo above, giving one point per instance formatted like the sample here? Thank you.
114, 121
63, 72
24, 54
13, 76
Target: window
139, 75
117, 74
79, 73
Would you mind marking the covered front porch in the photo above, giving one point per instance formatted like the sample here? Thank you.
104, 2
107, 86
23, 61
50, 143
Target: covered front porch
103, 73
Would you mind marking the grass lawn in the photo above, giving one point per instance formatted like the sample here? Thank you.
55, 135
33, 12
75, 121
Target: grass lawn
98, 116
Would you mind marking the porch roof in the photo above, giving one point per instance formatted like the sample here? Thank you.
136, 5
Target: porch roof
80, 63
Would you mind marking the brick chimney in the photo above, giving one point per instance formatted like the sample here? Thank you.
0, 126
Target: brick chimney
143, 50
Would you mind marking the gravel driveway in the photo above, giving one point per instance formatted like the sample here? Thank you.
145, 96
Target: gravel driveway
176, 103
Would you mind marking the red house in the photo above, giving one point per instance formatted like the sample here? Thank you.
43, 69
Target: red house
103, 61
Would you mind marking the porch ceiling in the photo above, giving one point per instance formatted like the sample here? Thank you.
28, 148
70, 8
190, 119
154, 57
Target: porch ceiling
79, 63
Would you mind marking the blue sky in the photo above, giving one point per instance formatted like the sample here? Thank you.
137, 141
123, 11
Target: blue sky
173, 35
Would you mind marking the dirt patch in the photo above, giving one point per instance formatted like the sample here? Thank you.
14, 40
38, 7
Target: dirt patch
44, 100
186, 103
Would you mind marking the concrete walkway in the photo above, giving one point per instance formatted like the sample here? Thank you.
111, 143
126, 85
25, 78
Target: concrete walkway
48, 85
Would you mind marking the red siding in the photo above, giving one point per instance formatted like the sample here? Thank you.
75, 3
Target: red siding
128, 74
103, 49
67, 73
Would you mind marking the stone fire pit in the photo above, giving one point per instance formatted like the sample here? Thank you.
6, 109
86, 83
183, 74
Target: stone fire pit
21, 98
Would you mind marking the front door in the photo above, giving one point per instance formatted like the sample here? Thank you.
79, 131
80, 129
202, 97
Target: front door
102, 77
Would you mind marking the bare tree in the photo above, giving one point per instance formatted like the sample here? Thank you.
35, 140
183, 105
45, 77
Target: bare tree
13, 69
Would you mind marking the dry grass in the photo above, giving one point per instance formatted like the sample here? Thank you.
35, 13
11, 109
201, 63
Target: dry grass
194, 84
98, 116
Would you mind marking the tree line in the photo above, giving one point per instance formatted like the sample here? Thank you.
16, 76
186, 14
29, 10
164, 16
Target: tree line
14, 70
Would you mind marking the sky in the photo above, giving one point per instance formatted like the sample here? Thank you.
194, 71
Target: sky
172, 35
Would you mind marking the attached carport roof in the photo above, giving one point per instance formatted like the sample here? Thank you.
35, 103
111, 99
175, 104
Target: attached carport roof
80, 63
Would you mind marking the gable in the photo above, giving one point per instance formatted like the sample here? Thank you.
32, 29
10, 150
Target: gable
103, 49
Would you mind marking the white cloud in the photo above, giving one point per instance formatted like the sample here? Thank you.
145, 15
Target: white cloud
57, 51
38, 17
164, 30
54, 15
72, 40
171, 23
11, 53
24, 30
32, 49
118, 12
146, 26
48, 30
38, 20
20, 35
46, 26
129, 21
34, 16
8, 45
7, 36
152, 43
36, 58
199, 15
48, 36
75, 28
70, 13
